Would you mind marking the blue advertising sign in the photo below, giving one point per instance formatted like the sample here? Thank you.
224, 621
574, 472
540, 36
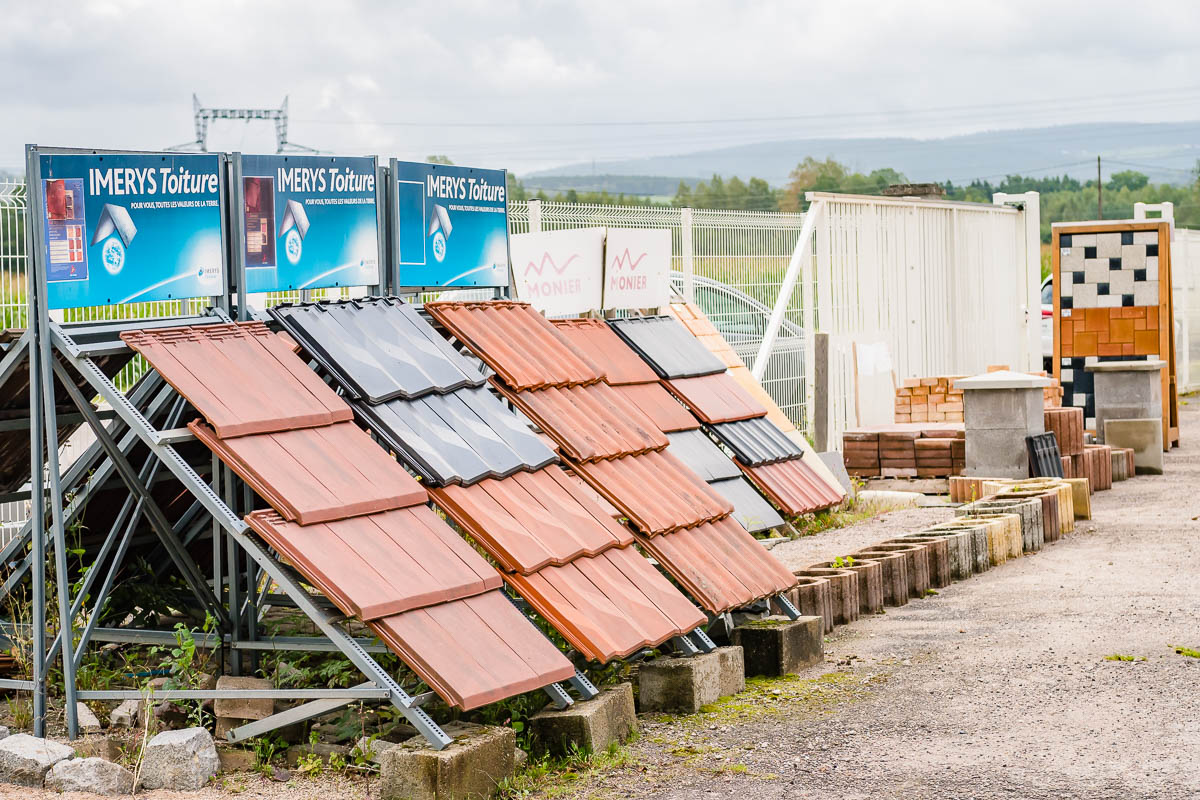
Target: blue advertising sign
124, 228
450, 225
309, 222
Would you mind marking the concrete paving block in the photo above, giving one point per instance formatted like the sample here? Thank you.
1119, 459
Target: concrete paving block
811, 596
1138, 434
778, 646
843, 591
1030, 511
243, 708
981, 549
1081, 497
870, 583
679, 684
469, 767
129, 714
895, 574
235, 759
590, 724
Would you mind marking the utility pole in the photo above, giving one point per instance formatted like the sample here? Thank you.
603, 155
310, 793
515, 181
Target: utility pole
1099, 192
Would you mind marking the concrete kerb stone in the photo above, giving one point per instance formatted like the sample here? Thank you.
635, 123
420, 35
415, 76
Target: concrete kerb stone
917, 565
812, 596
243, 708
843, 591
777, 646
591, 724
870, 582
1005, 526
895, 574
960, 556
25, 759
981, 560
470, 766
938, 551
1030, 511
684, 685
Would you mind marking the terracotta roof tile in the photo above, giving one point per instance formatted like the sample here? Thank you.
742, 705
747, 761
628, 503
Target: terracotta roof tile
716, 398
609, 606
241, 377
667, 413
521, 345
720, 565
793, 486
378, 348
474, 651
380, 564
317, 474
600, 343
656, 491
588, 422
532, 519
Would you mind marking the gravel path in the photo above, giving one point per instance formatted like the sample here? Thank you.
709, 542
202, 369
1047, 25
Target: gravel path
996, 688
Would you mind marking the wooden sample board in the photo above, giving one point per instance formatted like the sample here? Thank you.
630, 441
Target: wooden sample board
1112, 302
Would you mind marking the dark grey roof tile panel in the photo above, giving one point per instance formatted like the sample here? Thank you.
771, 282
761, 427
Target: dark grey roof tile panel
669, 348
699, 452
755, 442
378, 348
749, 507
457, 438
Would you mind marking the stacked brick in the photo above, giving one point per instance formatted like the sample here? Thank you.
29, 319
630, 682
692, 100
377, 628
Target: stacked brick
1067, 426
929, 400
902, 450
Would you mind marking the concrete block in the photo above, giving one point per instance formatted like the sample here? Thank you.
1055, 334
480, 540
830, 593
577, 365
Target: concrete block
1081, 497
938, 550
844, 594
243, 709
590, 724
470, 767
1004, 409
1143, 436
1030, 511
959, 550
97, 747
811, 596
997, 453
916, 564
894, 573
733, 669
679, 684
778, 646
235, 759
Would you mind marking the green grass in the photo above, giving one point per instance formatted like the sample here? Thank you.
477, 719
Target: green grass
1123, 657
1185, 651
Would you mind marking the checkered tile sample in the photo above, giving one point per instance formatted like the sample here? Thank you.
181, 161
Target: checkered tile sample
1109, 270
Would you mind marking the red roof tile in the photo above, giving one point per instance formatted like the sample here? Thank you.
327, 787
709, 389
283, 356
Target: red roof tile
317, 474
716, 398
380, 564
720, 565
655, 491
521, 345
600, 343
588, 422
532, 519
792, 486
667, 414
609, 606
474, 651
241, 377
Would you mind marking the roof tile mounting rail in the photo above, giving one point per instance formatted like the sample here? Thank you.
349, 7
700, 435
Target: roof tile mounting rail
792, 486
457, 438
716, 398
668, 347
588, 422
241, 377
378, 348
656, 491
517, 342
594, 337
533, 519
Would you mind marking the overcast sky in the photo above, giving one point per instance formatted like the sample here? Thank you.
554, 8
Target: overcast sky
525, 84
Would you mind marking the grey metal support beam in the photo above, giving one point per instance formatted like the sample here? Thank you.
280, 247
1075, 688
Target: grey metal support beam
705, 644
786, 606
300, 713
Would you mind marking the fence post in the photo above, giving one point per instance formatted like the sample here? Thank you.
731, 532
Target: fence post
1030, 205
685, 241
535, 216
820, 388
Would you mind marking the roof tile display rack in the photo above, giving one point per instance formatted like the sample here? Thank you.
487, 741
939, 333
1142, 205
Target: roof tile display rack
677, 517
553, 543
351, 519
729, 413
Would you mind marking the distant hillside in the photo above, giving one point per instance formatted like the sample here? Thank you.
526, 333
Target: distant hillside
1166, 152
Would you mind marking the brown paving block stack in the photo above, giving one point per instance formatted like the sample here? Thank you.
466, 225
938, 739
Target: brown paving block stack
898, 454
1067, 426
1098, 463
934, 457
964, 489
1067, 468
812, 596
929, 400
860, 450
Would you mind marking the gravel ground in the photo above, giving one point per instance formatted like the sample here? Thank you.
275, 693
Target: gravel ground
997, 687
